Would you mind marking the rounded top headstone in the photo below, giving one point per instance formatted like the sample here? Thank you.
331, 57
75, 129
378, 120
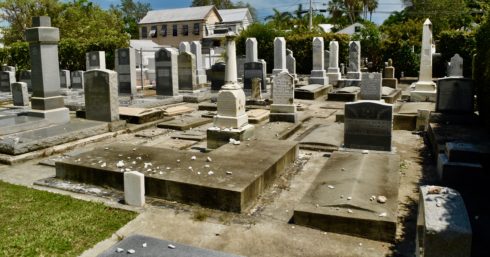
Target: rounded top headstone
390, 62
41, 21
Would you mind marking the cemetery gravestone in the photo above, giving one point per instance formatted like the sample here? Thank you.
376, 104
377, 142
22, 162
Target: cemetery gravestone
425, 82
217, 76
65, 81
291, 63
279, 55
354, 68
6, 79
371, 86
455, 95
251, 50
283, 108
333, 71
166, 72
8, 68
455, 68
101, 95
134, 188
125, 63
77, 81
253, 70
186, 63
196, 49
95, 60
368, 125
389, 79
256, 89
318, 74
19, 94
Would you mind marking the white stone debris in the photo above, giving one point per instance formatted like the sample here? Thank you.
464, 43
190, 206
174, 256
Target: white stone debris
178, 160
229, 173
107, 148
120, 155
168, 168
383, 214
330, 186
349, 198
134, 162
119, 250
193, 157
190, 168
365, 151
151, 170
171, 246
127, 169
138, 158
372, 198
148, 164
103, 165
236, 142
134, 149
99, 161
131, 251
382, 199
198, 173
208, 159
206, 166
144, 245
349, 210
160, 173
120, 164
210, 172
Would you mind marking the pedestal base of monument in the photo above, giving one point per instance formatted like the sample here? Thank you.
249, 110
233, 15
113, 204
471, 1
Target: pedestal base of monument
217, 137
58, 115
423, 96
221, 121
390, 82
318, 77
117, 125
333, 75
283, 112
277, 71
201, 79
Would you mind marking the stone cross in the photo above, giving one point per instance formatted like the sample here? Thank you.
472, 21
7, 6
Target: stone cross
125, 63
196, 49
20, 96
279, 55
354, 68
455, 68
101, 95
167, 79
184, 47
283, 108
318, 74
46, 100
251, 50
333, 71
95, 60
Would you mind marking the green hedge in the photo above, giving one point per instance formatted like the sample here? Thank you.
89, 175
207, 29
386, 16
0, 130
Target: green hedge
457, 42
482, 70
299, 43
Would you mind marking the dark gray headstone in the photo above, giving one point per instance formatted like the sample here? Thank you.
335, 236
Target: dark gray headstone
6, 78
65, 81
217, 75
20, 96
95, 60
455, 95
187, 71
126, 70
166, 72
253, 70
368, 125
101, 95
77, 81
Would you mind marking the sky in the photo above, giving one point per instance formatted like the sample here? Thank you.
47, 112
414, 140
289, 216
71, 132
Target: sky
264, 7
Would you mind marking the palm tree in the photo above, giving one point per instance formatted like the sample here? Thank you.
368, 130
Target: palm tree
281, 20
371, 6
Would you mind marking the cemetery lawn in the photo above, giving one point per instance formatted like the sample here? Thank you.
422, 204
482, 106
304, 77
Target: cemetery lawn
39, 223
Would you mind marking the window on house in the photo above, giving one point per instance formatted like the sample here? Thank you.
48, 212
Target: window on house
153, 31
357, 29
196, 29
164, 31
185, 30
174, 30
144, 32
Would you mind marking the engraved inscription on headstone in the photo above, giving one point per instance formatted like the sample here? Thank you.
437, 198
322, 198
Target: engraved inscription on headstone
126, 69
455, 95
283, 91
187, 71
101, 95
368, 125
371, 86
166, 72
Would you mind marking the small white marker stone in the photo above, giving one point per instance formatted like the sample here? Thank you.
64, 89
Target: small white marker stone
119, 250
171, 246
131, 251
144, 245
330, 186
193, 157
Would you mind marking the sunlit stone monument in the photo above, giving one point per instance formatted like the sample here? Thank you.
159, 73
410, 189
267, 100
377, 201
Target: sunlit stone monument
425, 88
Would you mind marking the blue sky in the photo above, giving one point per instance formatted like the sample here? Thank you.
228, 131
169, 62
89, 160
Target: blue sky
264, 7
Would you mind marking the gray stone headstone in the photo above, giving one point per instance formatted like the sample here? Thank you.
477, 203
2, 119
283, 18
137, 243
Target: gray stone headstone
134, 188
184, 47
65, 80
77, 81
217, 75
354, 68
251, 50
253, 70
455, 68
101, 95
20, 96
125, 66
291, 63
46, 100
25, 76
8, 68
95, 60
371, 86
186, 63
318, 73
166, 72
333, 71
283, 108
256, 89
342, 69
455, 95
240, 66
368, 125
443, 225
326, 59
196, 49
279, 55
6, 79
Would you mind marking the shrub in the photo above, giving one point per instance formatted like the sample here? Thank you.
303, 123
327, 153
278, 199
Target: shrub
450, 42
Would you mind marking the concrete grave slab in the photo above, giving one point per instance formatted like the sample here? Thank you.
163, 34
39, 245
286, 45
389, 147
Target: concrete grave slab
178, 110
140, 115
339, 200
14, 124
170, 143
195, 135
345, 94
151, 133
390, 95
322, 137
184, 123
312, 91
231, 186
412, 108
257, 115
159, 248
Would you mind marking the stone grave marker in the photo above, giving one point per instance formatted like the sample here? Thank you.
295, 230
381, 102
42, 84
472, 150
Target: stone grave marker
354, 68
217, 75
253, 70
77, 81
8, 68
125, 64
371, 86
333, 71
318, 73
425, 88
455, 95
368, 125
95, 60
184, 47
455, 68
65, 81
256, 89
20, 95
166, 72
291, 63
186, 63
326, 59
251, 50
279, 55
101, 95
134, 188
283, 108
6, 79
389, 79
196, 49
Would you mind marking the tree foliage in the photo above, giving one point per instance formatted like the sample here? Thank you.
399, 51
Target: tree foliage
131, 13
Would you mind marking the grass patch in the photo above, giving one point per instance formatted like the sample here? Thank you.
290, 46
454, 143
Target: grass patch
39, 223
200, 215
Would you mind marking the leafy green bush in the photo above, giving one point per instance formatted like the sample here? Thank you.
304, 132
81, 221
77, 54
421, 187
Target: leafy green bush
482, 70
452, 42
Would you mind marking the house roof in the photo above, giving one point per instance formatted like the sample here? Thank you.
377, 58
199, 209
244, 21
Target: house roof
350, 29
180, 14
234, 15
144, 44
